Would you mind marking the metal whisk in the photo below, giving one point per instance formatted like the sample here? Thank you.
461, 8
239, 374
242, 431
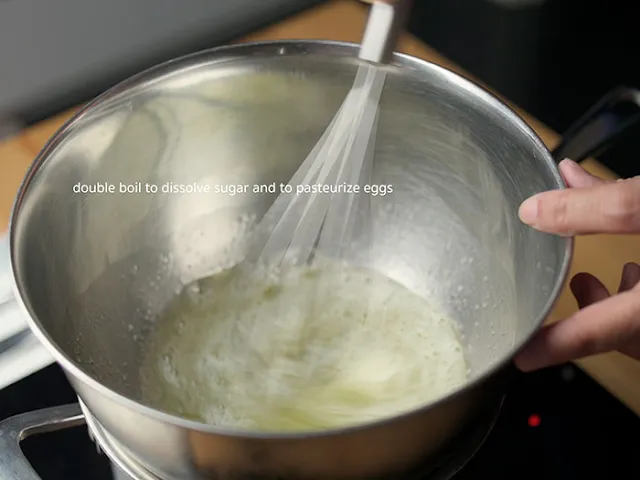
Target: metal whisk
305, 221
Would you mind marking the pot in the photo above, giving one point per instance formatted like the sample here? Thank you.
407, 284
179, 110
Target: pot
97, 252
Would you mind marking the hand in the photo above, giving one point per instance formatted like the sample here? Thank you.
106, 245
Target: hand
604, 322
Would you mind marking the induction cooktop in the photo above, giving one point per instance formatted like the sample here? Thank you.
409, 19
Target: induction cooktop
556, 423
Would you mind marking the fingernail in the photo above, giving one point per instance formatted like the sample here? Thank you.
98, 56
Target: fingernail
568, 161
574, 166
528, 359
528, 211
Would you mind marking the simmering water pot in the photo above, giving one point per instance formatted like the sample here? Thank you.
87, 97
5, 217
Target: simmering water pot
110, 222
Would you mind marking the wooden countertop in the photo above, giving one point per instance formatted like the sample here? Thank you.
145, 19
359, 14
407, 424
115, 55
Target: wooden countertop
343, 20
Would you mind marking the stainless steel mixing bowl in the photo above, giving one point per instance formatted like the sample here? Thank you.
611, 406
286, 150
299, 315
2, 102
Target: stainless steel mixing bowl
93, 270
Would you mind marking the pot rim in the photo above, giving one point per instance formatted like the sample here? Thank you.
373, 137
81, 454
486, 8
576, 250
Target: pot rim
281, 48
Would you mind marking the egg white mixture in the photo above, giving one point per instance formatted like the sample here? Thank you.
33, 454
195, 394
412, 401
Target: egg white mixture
316, 348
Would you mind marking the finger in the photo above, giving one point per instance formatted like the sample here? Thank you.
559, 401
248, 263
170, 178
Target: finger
630, 277
605, 208
587, 289
577, 177
598, 328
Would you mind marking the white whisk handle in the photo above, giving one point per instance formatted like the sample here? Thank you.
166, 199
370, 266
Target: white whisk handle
385, 24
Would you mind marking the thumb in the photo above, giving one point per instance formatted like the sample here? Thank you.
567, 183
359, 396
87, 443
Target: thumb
603, 208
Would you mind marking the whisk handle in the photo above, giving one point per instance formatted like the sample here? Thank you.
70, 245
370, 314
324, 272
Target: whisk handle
385, 24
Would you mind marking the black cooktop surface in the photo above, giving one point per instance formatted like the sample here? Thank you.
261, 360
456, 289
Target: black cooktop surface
555, 424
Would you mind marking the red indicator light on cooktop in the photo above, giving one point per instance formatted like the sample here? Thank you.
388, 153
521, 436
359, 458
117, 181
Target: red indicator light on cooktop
534, 420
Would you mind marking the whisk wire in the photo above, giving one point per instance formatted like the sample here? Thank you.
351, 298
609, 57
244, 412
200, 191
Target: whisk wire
299, 222
355, 171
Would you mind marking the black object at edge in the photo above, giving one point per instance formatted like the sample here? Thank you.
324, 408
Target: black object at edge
603, 125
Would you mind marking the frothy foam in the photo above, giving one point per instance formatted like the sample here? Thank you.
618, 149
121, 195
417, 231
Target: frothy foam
310, 349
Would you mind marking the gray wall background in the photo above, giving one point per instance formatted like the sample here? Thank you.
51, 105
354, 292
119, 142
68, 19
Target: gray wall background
56, 52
